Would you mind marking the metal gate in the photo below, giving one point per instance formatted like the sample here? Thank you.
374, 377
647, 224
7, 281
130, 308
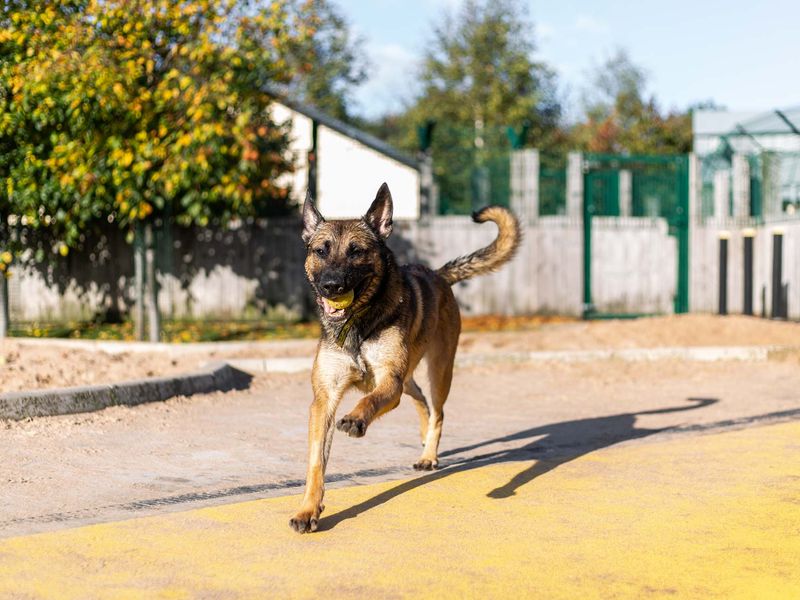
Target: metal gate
640, 206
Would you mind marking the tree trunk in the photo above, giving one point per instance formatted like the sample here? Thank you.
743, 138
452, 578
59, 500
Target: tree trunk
138, 282
5, 322
153, 316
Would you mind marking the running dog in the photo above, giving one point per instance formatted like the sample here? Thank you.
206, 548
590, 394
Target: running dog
378, 321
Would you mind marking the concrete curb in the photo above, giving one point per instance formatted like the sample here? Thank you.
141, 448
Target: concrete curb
698, 354
213, 377
119, 347
695, 354
234, 374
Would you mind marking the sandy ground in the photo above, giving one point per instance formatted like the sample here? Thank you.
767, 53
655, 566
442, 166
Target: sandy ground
26, 365
219, 448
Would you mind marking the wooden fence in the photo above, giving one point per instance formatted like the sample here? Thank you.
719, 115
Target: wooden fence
257, 270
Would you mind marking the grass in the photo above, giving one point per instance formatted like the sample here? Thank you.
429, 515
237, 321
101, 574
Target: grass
186, 331
172, 331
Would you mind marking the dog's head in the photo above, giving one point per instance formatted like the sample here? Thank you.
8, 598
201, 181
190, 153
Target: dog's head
345, 259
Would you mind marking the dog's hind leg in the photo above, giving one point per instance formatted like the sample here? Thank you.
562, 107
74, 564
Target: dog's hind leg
440, 370
421, 404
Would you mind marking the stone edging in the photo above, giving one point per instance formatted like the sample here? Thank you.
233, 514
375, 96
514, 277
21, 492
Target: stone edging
40, 403
234, 374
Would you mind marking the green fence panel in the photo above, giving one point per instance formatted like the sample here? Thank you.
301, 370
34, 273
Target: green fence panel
552, 184
472, 168
659, 188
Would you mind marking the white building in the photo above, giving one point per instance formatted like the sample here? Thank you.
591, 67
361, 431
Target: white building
343, 166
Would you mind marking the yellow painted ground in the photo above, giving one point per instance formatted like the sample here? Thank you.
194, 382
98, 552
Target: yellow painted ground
713, 516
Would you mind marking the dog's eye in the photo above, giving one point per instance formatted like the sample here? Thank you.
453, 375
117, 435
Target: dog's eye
322, 251
354, 250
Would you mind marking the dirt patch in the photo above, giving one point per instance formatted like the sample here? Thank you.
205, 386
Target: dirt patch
39, 367
655, 332
25, 366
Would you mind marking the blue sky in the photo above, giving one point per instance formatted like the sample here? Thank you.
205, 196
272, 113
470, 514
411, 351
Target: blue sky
743, 55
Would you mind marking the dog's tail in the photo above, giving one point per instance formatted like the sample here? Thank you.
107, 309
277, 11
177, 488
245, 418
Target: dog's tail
493, 256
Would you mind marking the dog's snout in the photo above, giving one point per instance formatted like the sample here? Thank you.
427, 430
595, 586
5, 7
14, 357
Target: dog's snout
332, 284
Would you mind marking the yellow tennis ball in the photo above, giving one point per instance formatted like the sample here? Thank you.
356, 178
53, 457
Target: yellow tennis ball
342, 301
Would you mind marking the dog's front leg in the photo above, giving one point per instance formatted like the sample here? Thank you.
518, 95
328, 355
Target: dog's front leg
330, 378
385, 397
320, 435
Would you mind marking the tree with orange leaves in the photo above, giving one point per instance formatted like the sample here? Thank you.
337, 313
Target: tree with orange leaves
125, 110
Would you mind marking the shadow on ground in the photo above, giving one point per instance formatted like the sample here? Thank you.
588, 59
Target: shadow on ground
550, 446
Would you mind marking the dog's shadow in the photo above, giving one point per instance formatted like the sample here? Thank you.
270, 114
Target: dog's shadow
555, 445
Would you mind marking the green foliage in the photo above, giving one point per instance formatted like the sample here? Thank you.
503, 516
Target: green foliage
478, 67
331, 63
478, 77
123, 110
621, 119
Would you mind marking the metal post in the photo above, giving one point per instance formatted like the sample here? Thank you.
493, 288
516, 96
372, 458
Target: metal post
313, 160
748, 271
777, 274
682, 222
587, 212
153, 315
693, 218
723, 273
5, 321
138, 283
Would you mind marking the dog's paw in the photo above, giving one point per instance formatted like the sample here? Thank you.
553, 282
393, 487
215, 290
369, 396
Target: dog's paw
352, 426
424, 464
305, 521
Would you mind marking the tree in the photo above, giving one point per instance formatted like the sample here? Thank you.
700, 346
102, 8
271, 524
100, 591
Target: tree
331, 63
478, 77
479, 67
125, 111
620, 118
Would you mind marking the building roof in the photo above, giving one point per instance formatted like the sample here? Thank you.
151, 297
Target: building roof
746, 131
359, 135
774, 122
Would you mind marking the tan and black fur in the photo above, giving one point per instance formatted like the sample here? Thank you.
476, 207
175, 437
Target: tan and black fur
400, 314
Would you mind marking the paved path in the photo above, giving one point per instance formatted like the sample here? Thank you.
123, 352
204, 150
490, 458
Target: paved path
712, 515
124, 462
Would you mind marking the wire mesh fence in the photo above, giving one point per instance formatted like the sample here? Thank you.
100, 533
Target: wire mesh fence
472, 168
552, 184
772, 180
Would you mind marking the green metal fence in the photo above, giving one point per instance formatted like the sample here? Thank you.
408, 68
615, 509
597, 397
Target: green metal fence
472, 168
658, 187
774, 179
552, 185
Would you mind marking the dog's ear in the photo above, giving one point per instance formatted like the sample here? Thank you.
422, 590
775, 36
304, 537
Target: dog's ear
379, 215
311, 218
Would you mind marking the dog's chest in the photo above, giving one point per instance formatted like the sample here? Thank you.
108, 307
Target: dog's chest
364, 372
366, 362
